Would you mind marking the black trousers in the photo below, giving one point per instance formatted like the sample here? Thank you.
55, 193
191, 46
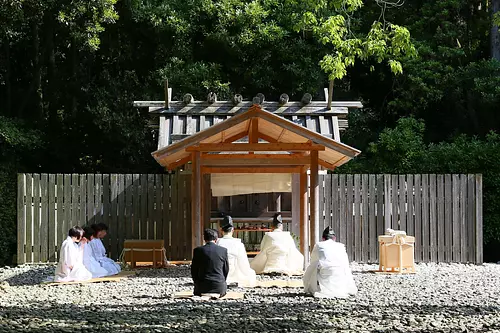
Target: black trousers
210, 287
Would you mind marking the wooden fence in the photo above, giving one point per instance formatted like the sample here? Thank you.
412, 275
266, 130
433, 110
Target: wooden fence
443, 212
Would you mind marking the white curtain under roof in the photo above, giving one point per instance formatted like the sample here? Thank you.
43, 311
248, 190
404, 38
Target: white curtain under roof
227, 184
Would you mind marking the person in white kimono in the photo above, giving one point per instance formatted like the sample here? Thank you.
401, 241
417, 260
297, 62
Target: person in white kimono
328, 274
89, 260
239, 267
99, 252
70, 266
278, 253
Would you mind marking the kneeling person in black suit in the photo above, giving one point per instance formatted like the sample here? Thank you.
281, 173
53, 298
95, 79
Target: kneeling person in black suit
210, 266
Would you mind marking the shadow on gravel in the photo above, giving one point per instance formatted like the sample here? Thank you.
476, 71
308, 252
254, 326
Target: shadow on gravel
32, 277
212, 316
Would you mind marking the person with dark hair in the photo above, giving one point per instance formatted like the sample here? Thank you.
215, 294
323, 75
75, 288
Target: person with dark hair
99, 251
278, 253
210, 266
239, 267
89, 260
70, 266
328, 274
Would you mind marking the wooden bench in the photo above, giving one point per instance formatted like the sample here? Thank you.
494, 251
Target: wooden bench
144, 251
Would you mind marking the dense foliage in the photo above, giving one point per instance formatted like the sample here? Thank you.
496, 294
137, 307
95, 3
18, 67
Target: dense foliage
69, 72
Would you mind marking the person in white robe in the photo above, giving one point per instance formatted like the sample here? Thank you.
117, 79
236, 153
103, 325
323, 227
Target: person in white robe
99, 251
239, 267
70, 266
278, 253
329, 274
89, 260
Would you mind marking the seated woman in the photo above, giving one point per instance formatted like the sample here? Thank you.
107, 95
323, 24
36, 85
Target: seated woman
278, 253
239, 268
70, 266
329, 274
99, 251
89, 260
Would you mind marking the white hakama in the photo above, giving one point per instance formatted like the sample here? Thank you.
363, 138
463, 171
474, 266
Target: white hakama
239, 267
91, 263
99, 253
70, 266
278, 254
329, 274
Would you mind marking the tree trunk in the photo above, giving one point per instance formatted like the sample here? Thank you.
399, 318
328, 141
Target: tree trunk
494, 35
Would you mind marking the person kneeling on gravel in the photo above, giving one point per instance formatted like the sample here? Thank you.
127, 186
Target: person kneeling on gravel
210, 266
329, 274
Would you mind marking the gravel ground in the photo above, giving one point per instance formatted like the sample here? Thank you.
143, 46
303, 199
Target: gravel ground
439, 298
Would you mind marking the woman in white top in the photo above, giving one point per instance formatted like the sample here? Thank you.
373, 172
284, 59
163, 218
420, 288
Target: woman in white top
89, 260
239, 267
70, 266
99, 252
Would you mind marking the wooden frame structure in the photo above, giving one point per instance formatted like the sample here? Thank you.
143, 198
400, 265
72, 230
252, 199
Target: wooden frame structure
275, 145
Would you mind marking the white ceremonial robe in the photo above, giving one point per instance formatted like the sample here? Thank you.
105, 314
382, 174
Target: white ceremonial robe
329, 274
239, 267
99, 253
278, 254
91, 263
70, 266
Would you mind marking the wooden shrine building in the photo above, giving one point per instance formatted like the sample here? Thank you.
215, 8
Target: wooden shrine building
253, 138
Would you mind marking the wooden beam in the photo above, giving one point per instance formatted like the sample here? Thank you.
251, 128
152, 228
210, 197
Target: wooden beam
283, 169
326, 165
179, 163
330, 95
257, 161
167, 98
267, 138
235, 137
216, 147
303, 214
253, 133
196, 201
236, 156
281, 134
314, 194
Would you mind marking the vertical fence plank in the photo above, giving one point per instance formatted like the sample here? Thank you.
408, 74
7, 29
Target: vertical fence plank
357, 218
137, 206
321, 204
433, 235
425, 218
343, 214
75, 192
185, 206
29, 218
167, 197
336, 219
403, 189
113, 222
36, 218
418, 218
44, 218
21, 219
456, 217
463, 215
82, 208
380, 183
471, 201
349, 220
61, 233
151, 203
328, 201
440, 219
106, 199
121, 221
394, 202
174, 228
98, 194
479, 219
448, 217
372, 219
90, 199
410, 218
129, 206
387, 202
52, 227
144, 207
365, 249
158, 209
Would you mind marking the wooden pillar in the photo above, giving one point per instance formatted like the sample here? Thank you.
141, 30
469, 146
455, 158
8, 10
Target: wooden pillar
313, 202
304, 219
296, 192
196, 207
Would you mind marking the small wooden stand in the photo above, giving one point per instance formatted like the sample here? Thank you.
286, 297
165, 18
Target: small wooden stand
140, 250
397, 255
